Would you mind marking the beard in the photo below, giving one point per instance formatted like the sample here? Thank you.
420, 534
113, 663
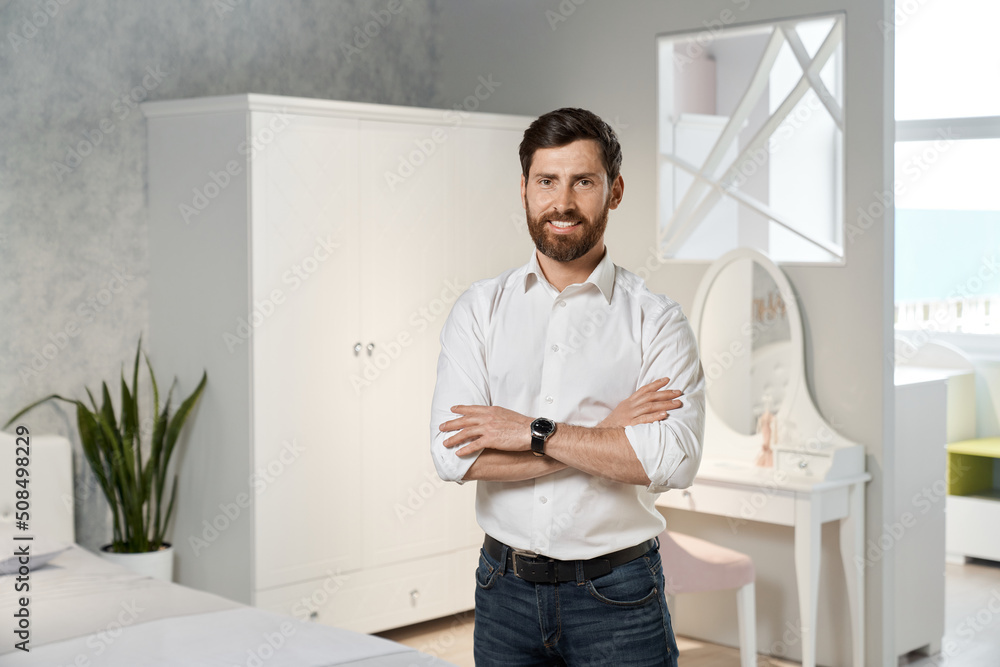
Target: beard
566, 248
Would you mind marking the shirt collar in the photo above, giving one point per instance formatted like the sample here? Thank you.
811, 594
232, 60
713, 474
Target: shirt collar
602, 277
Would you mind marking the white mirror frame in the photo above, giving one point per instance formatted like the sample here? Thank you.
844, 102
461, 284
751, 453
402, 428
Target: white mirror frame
797, 417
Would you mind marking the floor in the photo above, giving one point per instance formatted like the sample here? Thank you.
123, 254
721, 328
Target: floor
972, 630
971, 618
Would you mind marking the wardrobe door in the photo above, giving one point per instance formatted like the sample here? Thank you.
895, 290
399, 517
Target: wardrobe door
491, 237
495, 237
305, 326
409, 283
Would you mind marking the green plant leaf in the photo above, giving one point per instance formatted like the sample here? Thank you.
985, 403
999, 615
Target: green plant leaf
90, 437
174, 429
170, 511
36, 404
137, 428
113, 449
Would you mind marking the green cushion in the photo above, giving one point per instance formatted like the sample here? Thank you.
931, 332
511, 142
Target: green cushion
989, 447
970, 466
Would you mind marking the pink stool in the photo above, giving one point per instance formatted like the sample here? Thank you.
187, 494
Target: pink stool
691, 565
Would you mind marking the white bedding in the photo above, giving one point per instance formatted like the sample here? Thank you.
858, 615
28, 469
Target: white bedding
89, 612
243, 636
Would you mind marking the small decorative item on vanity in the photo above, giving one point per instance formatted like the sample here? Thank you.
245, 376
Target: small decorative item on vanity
133, 488
767, 428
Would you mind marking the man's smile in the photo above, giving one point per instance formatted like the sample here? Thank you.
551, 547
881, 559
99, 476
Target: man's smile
563, 226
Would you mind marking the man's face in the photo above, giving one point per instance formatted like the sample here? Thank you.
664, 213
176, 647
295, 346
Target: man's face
567, 197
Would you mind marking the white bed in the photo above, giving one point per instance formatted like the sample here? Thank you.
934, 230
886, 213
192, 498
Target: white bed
88, 612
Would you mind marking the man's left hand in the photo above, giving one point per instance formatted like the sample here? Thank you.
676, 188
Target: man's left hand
488, 427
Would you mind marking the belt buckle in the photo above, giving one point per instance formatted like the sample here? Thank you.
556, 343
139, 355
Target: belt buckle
523, 554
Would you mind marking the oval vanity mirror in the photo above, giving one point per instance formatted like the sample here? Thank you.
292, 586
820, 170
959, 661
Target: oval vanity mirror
746, 337
758, 411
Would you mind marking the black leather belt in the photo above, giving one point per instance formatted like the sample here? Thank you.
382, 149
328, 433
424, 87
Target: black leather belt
544, 570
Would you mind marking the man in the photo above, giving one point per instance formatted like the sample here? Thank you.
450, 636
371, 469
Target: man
557, 390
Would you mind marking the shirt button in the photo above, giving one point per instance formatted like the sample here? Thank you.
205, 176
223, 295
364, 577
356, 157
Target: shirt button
562, 304
549, 399
543, 500
555, 348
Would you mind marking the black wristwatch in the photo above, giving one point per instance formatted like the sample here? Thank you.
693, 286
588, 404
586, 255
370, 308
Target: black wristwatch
541, 429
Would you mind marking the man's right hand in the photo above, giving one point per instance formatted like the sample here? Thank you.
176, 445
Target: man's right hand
647, 405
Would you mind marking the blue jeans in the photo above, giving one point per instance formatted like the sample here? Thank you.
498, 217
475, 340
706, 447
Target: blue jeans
619, 619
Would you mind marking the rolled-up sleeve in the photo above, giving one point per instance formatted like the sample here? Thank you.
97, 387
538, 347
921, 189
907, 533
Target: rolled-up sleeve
670, 450
462, 379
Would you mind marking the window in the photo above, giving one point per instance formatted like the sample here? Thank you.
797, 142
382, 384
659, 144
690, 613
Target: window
947, 197
751, 141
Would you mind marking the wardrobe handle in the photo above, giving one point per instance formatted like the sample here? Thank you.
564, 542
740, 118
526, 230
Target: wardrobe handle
357, 349
371, 348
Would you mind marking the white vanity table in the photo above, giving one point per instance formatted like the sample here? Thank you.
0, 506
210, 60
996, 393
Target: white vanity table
770, 497
749, 331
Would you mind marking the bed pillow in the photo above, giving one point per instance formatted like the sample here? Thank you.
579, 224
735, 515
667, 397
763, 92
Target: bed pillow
41, 549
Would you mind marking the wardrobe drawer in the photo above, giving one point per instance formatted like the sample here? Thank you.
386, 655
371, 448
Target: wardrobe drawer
377, 599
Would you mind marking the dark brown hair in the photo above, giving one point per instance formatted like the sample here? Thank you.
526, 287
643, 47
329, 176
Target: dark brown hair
564, 126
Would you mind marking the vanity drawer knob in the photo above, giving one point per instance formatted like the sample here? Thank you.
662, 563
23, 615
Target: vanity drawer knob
414, 596
803, 464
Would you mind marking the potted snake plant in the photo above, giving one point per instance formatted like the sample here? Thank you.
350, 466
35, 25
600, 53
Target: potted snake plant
133, 485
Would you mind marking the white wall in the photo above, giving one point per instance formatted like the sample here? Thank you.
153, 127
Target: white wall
603, 57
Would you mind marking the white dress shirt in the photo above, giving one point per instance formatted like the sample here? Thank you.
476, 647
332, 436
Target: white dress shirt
516, 342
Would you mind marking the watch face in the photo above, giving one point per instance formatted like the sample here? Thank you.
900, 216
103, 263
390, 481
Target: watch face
543, 427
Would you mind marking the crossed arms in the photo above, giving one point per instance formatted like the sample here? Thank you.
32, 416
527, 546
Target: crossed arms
504, 437
650, 438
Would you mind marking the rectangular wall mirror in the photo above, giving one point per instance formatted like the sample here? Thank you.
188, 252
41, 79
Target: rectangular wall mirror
751, 140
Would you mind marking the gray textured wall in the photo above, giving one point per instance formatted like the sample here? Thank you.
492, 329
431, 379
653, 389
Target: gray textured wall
73, 234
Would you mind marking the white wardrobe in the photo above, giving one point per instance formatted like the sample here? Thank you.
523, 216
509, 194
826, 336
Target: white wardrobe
306, 254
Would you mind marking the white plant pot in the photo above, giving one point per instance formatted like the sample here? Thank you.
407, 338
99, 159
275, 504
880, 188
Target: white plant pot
156, 564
